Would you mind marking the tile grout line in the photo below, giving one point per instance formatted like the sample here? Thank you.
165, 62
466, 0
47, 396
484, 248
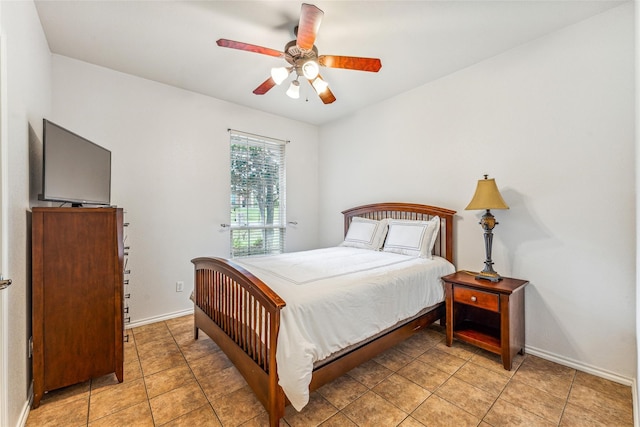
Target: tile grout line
193, 374
566, 400
135, 344
467, 361
500, 394
431, 393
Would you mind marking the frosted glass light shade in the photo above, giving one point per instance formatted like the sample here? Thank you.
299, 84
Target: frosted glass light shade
487, 196
294, 90
319, 85
310, 69
279, 74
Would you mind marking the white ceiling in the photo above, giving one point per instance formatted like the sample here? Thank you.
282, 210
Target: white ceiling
173, 42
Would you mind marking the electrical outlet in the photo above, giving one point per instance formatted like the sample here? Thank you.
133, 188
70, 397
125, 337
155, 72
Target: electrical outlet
179, 286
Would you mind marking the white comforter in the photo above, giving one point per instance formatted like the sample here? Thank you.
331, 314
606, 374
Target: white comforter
337, 297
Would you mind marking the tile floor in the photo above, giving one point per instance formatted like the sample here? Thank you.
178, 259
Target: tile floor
172, 380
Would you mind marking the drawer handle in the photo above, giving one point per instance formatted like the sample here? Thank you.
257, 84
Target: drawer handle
474, 299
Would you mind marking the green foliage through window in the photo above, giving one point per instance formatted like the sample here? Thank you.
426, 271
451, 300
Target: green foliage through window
257, 195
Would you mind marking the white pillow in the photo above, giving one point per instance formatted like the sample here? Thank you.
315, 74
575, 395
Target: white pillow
365, 234
415, 238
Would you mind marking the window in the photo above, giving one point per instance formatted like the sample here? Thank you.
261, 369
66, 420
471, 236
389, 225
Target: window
257, 195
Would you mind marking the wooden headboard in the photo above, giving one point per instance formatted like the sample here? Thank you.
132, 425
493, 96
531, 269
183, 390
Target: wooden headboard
444, 243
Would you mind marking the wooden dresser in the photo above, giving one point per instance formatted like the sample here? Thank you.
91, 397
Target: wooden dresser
77, 276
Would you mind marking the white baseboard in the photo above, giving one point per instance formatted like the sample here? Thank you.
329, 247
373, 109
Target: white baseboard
634, 392
26, 408
25, 414
598, 372
161, 318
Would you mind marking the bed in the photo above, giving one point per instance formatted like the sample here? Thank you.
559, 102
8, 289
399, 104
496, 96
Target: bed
252, 321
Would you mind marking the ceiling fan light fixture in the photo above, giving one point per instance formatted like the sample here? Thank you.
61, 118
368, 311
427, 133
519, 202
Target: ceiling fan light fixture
294, 90
310, 69
279, 74
302, 56
319, 85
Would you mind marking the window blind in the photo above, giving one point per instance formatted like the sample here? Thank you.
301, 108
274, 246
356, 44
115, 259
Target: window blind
258, 207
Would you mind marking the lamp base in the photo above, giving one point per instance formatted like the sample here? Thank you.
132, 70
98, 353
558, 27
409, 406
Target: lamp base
488, 222
492, 276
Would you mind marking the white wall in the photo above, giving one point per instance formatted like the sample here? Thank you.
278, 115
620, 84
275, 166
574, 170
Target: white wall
553, 122
170, 166
26, 65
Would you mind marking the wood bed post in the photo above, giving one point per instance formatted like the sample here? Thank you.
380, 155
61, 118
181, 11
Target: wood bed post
276, 395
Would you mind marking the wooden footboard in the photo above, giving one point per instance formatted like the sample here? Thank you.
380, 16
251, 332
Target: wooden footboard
242, 315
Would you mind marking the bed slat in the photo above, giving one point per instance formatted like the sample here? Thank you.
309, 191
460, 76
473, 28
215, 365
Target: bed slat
248, 319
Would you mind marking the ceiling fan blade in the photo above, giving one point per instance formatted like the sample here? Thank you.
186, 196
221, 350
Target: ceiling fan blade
265, 86
350, 62
325, 95
249, 47
310, 18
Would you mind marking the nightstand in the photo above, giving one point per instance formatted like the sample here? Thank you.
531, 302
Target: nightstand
489, 315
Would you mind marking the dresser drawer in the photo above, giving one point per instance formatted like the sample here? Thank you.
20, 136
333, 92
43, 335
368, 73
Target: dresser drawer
476, 298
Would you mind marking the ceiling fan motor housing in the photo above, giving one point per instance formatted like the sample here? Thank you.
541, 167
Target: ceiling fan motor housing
297, 57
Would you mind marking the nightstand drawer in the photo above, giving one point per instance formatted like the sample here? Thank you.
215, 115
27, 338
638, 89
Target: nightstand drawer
476, 298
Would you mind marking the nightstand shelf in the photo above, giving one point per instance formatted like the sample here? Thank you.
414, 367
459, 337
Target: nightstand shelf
480, 335
488, 315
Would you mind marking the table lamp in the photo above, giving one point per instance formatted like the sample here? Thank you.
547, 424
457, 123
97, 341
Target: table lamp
487, 197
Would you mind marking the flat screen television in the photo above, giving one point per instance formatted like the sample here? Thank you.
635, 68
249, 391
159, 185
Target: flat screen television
74, 169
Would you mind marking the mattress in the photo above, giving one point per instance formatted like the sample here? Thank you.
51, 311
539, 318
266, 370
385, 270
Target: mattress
337, 297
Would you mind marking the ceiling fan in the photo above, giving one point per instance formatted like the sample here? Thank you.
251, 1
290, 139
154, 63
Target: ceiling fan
302, 57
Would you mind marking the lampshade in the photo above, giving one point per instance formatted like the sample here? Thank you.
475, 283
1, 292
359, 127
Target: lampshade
487, 196
294, 90
279, 74
310, 69
319, 85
